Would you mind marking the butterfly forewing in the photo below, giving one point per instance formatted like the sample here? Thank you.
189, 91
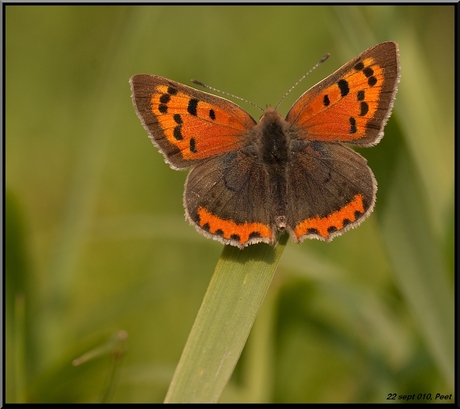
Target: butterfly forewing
186, 124
353, 104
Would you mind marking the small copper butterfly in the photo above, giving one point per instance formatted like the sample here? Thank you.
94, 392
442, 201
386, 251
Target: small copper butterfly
251, 180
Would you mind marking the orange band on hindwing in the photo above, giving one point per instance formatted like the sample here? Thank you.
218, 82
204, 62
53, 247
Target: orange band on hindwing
324, 226
232, 231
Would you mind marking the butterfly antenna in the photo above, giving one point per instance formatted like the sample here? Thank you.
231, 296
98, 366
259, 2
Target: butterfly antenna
225, 93
324, 58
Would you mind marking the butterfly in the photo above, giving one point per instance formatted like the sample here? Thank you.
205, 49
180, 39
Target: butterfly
249, 181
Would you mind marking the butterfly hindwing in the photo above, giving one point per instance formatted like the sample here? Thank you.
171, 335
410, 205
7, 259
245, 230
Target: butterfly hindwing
218, 189
331, 189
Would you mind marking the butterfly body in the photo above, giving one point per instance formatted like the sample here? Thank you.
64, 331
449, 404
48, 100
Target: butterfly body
251, 180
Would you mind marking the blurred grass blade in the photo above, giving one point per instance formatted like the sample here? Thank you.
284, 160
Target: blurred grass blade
419, 268
230, 306
18, 306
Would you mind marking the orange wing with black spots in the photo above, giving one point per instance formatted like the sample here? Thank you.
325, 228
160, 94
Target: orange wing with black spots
353, 104
188, 125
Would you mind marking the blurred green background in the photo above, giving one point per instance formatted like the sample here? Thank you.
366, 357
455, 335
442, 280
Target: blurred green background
100, 264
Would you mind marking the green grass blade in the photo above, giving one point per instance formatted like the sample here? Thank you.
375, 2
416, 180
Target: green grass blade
230, 306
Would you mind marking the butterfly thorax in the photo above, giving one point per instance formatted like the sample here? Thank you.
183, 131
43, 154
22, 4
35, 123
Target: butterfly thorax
271, 140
